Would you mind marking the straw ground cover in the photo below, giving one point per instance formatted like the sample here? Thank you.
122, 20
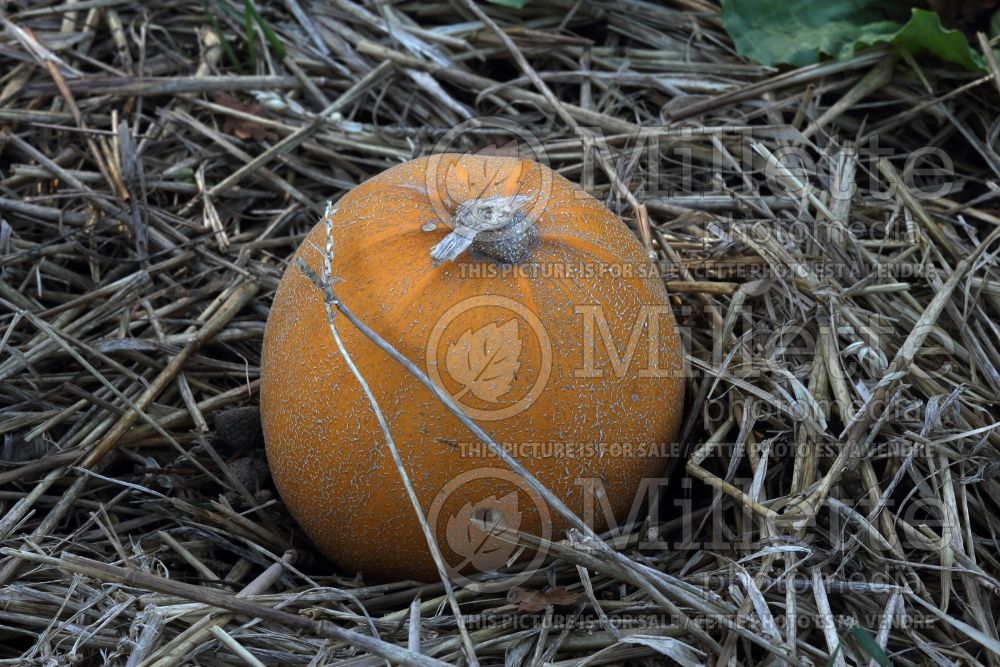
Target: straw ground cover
829, 235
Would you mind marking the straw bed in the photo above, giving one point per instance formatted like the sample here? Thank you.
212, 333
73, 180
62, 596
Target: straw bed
839, 303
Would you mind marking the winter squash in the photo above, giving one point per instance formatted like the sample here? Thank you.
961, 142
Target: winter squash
521, 296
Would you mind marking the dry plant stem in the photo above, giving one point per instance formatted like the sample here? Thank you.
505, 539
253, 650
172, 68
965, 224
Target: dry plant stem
178, 418
190, 558
299, 136
71, 103
111, 148
581, 115
591, 538
240, 297
279, 183
140, 579
329, 300
173, 652
149, 86
876, 77
600, 558
413, 632
638, 210
41, 465
227, 640
536, 81
913, 204
855, 431
23, 506
991, 59
215, 324
453, 407
796, 76
494, 226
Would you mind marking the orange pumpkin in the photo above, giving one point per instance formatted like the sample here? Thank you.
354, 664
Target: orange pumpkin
539, 313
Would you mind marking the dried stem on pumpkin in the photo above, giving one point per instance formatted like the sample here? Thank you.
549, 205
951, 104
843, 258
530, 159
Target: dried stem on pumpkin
331, 304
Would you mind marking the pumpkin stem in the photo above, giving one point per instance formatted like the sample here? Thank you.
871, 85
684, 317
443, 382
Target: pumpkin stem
493, 226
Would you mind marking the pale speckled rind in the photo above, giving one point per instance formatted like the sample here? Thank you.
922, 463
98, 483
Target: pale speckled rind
324, 446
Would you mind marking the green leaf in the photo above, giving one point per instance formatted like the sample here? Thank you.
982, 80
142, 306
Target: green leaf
870, 646
516, 4
248, 28
800, 32
832, 660
924, 32
795, 32
226, 46
272, 38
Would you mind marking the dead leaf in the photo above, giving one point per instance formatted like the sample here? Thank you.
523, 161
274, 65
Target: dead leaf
529, 600
243, 128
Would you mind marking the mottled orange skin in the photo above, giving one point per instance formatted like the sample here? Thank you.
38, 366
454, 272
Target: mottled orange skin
324, 446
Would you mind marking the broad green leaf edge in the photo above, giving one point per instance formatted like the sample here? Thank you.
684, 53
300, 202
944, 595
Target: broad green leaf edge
801, 32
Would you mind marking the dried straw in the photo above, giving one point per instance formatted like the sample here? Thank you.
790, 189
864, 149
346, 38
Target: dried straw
840, 495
